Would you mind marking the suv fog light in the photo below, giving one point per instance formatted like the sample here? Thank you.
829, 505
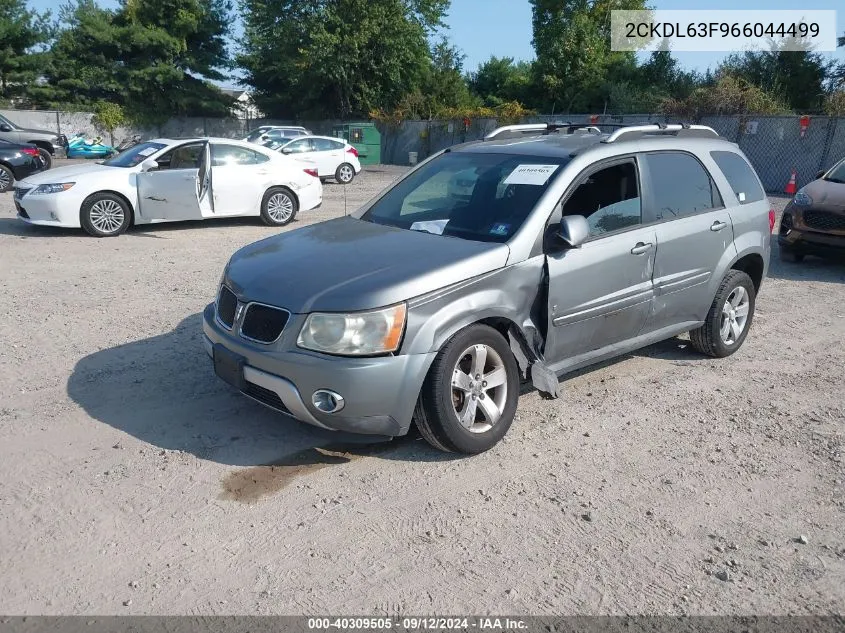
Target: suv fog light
328, 401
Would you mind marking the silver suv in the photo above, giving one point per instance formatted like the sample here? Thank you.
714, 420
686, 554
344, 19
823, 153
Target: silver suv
530, 254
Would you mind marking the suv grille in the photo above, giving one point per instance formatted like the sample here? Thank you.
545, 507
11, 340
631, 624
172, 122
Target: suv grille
227, 302
824, 220
265, 396
263, 324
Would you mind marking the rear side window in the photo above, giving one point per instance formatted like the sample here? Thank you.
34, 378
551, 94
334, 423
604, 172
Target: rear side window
223, 155
680, 185
740, 176
324, 145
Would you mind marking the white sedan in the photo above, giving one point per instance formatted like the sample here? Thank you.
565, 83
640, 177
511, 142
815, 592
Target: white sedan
335, 158
168, 180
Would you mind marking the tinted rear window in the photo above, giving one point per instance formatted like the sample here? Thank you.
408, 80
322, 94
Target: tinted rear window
741, 177
681, 186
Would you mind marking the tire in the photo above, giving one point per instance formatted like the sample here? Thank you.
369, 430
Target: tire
105, 215
344, 174
437, 411
790, 255
47, 156
710, 338
7, 178
278, 207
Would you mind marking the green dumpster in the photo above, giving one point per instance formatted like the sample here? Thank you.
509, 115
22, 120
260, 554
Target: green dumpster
364, 137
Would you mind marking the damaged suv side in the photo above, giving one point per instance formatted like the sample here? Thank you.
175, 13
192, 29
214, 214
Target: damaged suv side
521, 257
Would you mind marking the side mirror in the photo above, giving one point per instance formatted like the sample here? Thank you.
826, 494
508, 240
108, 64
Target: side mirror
287, 150
5, 127
821, 173
149, 165
574, 230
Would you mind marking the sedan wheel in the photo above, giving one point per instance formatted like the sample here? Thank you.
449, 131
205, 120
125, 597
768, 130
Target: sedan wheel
279, 207
6, 178
104, 215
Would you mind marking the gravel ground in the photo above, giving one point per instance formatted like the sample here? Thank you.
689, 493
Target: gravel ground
135, 481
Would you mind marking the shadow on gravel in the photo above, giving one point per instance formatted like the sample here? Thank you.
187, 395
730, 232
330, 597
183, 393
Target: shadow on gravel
18, 228
163, 391
830, 270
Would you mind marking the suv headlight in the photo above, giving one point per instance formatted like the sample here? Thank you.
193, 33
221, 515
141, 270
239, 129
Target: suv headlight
354, 334
801, 199
52, 188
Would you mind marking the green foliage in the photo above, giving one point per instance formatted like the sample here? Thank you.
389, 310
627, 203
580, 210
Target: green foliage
108, 117
21, 33
797, 78
572, 41
834, 104
147, 56
336, 58
500, 79
729, 94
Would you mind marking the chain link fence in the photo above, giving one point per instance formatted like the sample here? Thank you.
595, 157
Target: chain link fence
775, 145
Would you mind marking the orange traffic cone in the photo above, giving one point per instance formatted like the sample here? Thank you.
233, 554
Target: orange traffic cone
792, 186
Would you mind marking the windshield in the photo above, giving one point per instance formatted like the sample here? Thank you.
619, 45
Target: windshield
481, 197
4, 120
837, 174
134, 155
256, 134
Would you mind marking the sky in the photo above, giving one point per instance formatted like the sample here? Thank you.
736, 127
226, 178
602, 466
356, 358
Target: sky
481, 28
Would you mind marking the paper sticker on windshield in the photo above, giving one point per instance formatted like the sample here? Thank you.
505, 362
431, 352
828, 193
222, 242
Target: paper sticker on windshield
530, 174
147, 151
432, 226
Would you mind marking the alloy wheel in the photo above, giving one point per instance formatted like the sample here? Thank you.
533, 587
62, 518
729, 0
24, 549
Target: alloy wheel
346, 174
106, 216
479, 388
734, 315
280, 207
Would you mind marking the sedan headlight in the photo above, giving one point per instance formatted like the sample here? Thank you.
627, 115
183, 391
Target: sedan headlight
57, 187
354, 334
801, 199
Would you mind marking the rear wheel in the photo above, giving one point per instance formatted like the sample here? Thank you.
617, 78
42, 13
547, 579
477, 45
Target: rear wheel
278, 207
105, 215
6, 178
345, 174
47, 157
469, 397
729, 318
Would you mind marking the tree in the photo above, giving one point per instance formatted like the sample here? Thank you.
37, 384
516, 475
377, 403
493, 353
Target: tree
108, 116
572, 42
500, 79
336, 58
727, 95
150, 56
444, 85
21, 32
799, 78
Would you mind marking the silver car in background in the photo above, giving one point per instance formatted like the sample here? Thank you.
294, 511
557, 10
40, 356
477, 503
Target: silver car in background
518, 258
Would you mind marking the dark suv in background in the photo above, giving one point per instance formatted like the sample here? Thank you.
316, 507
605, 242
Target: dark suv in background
48, 143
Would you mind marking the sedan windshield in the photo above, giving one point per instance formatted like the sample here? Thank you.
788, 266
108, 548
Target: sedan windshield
134, 155
837, 174
481, 197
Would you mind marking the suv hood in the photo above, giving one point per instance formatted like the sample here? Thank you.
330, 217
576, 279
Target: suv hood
347, 264
29, 130
826, 195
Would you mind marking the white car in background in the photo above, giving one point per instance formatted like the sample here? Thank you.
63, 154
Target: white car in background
167, 180
264, 133
335, 158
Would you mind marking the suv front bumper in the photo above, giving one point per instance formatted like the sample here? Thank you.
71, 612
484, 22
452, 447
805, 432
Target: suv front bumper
379, 393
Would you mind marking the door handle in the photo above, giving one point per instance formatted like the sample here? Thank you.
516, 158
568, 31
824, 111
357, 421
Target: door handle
190, 177
718, 225
641, 248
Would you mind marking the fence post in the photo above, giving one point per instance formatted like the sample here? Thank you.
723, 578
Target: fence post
828, 141
58, 124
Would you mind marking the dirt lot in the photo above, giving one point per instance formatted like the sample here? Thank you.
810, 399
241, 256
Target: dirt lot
135, 481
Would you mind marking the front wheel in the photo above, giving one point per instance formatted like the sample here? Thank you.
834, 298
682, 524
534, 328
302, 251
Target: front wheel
469, 397
345, 174
6, 179
105, 215
729, 318
278, 207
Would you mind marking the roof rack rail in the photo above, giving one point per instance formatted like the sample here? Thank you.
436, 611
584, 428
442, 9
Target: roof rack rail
654, 129
524, 129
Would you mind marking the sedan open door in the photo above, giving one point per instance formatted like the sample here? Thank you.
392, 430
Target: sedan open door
178, 185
